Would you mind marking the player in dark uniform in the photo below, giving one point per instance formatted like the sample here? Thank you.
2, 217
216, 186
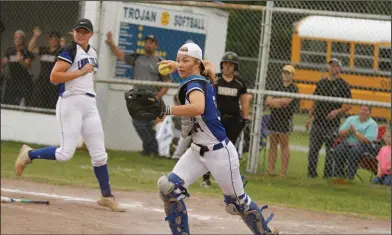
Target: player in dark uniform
231, 91
45, 93
18, 59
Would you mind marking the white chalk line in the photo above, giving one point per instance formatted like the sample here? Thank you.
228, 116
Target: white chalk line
134, 205
139, 205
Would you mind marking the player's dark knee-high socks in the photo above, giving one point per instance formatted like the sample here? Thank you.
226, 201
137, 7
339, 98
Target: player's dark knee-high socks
102, 174
48, 153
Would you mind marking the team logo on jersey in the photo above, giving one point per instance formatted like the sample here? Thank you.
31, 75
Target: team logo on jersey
88, 60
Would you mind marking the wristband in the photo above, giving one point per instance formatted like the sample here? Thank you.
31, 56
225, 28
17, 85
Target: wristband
168, 110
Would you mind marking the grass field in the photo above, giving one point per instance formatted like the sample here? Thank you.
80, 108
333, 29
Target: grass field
132, 172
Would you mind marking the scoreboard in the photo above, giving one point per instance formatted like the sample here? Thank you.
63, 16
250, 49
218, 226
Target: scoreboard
171, 28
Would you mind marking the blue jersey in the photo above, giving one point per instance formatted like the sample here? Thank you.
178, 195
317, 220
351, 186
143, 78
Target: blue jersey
207, 128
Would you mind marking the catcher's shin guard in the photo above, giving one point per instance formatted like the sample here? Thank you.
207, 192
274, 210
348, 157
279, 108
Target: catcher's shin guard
172, 194
250, 213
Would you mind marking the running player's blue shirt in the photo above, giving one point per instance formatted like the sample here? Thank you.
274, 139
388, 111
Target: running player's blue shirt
208, 128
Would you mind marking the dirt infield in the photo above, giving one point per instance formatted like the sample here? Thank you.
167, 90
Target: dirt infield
74, 211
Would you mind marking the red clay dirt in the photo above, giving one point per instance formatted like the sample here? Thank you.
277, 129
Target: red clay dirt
73, 210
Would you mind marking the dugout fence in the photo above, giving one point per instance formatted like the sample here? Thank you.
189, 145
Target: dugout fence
267, 37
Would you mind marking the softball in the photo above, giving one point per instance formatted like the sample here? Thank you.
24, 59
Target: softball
162, 70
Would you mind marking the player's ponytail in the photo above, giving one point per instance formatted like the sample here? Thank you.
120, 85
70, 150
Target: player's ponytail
208, 71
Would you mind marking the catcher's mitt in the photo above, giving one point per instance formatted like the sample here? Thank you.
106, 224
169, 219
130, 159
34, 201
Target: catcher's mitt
143, 105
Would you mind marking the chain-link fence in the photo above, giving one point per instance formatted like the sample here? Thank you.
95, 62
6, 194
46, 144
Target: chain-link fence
337, 49
354, 37
32, 34
341, 48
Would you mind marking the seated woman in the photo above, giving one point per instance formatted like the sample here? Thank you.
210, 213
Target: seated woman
358, 132
384, 162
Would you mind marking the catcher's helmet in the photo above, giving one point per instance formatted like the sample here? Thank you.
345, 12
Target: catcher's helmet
231, 57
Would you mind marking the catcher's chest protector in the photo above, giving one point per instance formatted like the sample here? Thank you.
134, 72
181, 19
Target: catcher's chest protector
206, 128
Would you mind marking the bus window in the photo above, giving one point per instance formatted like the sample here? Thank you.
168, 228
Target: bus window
384, 62
364, 56
341, 50
313, 51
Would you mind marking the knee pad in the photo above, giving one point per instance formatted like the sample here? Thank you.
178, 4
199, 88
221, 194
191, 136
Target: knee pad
250, 214
172, 192
64, 155
99, 158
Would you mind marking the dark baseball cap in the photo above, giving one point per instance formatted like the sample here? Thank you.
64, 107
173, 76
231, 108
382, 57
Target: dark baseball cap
54, 34
83, 23
151, 37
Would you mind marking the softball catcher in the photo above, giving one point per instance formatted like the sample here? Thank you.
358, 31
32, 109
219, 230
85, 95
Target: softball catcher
210, 151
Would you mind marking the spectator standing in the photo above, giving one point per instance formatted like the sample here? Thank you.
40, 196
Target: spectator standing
325, 117
45, 93
144, 68
18, 59
280, 123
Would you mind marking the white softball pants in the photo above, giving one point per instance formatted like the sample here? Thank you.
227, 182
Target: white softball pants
223, 165
78, 115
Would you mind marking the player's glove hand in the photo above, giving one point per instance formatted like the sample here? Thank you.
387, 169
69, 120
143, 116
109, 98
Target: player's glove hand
143, 105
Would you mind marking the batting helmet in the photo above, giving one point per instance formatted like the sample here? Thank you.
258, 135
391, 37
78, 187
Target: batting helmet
230, 57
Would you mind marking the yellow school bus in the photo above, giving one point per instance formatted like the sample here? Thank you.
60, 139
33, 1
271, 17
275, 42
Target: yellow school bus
363, 46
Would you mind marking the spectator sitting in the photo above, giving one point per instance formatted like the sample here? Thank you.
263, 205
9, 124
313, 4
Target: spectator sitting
384, 162
358, 132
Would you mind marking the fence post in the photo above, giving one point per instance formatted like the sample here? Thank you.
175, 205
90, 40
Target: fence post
260, 85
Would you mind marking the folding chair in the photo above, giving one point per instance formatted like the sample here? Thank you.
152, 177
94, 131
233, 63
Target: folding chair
368, 160
264, 133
